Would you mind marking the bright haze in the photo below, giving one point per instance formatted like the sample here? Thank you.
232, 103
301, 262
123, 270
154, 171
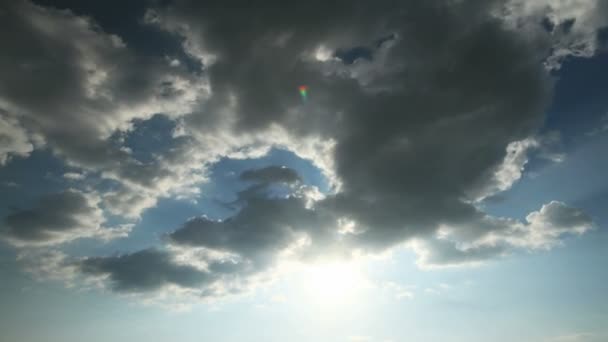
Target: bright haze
367, 171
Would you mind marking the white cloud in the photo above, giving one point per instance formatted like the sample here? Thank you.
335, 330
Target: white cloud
510, 170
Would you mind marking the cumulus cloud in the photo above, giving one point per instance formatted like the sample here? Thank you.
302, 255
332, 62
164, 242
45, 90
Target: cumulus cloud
412, 122
76, 88
572, 26
195, 274
62, 66
60, 218
491, 237
510, 170
393, 154
143, 271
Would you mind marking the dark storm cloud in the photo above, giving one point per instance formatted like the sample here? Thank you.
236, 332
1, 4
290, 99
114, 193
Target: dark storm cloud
59, 218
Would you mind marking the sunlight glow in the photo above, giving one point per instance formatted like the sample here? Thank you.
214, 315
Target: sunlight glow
333, 283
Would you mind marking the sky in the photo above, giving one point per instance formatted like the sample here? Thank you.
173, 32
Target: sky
163, 177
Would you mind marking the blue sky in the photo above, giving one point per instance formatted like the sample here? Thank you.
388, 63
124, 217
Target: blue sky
161, 179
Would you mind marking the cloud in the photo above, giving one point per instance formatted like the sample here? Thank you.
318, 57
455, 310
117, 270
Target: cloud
62, 66
408, 143
76, 89
60, 218
411, 137
492, 237
14, 140
510, 170
53, 265
262, 230
156, 274
571, 26
214, 258
144, 270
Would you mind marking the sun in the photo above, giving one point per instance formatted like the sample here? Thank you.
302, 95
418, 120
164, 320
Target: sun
332, 283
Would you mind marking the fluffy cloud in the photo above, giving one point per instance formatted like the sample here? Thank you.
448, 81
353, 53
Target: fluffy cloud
411, 146
571, 26
145, 270
408, 144
510, 170
430, 120
78, 89
208, 258
71, 82
60, 218
490, 237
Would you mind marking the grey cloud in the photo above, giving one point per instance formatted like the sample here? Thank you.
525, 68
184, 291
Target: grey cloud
259, 231
420, 132
59, 218
249, 244
153, 269
490, 237
73, 87
142, 271
14, 140
408, 154
414, 147
570, 26
444, 253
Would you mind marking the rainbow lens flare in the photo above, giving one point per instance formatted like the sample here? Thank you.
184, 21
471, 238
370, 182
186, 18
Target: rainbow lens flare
303, 92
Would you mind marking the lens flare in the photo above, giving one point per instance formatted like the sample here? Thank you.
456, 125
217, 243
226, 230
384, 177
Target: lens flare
303, 92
